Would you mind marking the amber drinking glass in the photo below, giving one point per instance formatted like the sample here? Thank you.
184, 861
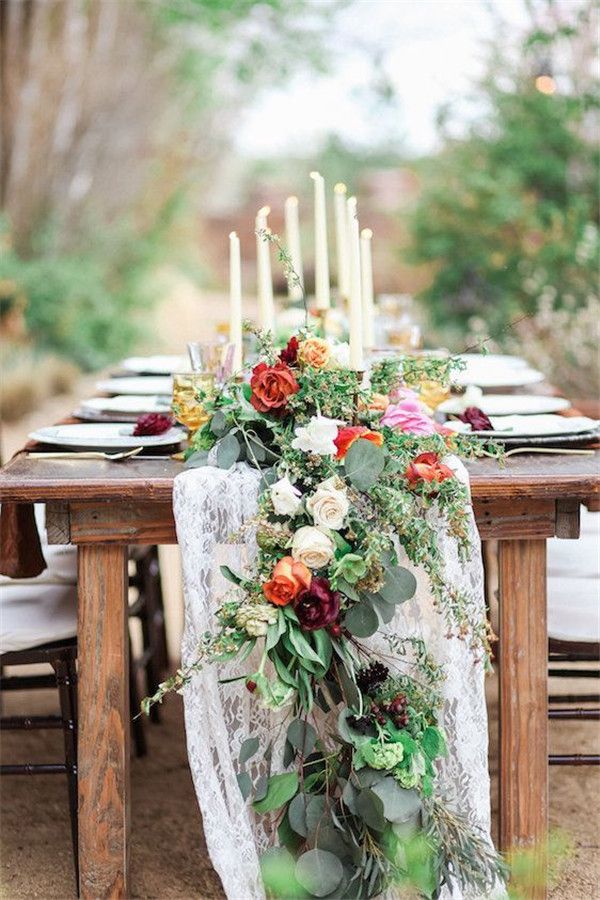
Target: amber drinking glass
190, 390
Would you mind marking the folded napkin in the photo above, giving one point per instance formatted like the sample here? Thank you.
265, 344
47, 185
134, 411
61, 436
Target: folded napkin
20, 547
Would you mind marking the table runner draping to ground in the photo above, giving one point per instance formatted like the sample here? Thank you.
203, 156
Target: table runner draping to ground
210, 505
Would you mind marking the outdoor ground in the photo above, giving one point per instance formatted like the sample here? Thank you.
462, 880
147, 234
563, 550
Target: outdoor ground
169, 858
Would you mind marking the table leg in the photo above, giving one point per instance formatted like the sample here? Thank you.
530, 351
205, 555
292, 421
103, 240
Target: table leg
104, 722
524, 703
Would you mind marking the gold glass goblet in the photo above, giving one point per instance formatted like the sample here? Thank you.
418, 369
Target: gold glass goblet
190, 390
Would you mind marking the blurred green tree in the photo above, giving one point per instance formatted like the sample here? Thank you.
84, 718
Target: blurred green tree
511, 209
110, 111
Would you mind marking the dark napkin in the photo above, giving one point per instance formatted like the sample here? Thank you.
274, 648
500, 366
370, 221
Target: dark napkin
20, 547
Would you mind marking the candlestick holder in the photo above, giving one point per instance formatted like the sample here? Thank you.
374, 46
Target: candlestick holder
360, 374
322, 319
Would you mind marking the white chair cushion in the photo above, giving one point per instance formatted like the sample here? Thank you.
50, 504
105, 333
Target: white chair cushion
36, 614
574, 584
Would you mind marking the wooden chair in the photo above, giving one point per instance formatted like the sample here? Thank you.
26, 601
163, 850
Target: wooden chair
574, 628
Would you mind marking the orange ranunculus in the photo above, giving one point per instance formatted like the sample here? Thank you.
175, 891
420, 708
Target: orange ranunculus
427, 467
346, 437
314, 352
272, 386
288, 579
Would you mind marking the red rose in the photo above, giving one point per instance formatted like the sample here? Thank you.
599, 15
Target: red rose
272, 386
289, 354
427, 467
317, 606
346, 437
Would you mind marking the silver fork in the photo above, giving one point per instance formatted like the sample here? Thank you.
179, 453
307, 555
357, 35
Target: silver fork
87, 454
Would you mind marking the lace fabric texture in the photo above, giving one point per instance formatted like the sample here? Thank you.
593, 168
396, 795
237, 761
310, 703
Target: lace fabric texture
210, 505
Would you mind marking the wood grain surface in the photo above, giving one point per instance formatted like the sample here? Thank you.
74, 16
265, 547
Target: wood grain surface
524, 704
104, 722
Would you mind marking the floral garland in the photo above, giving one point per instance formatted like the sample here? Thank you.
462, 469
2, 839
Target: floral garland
349, 470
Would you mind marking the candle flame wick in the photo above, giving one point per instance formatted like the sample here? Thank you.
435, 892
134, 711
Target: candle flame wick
340, 188
264, 211
366, 233
315, 175
232, 234
292, 201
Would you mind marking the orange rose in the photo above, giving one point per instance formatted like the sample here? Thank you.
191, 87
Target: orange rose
289, 578
346, 437
427, 467
314, 352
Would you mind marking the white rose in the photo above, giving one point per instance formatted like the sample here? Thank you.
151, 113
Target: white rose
328, 506
312, 547
285, 497
317, 437
340, 353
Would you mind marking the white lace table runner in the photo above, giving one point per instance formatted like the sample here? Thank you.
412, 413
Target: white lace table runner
209, 505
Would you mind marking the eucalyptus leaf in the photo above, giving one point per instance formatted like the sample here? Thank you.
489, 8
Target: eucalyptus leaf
245, 784
361, 620
315, 809
370, 808
197, 460
280, 789
364, 463
277, 868
351, 692
319, 872
348, 589
400, 585
218, 424
260, 788
399, 804
302, 736
248, 749
297, 814
228, 451
385, 611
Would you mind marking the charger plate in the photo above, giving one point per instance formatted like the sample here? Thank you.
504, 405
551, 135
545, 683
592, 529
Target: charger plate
105, 436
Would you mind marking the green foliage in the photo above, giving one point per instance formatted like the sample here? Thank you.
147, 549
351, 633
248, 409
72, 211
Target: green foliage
89, 305
508, 206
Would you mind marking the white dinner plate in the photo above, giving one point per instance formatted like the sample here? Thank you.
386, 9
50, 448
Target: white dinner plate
508, 405
500, 376
533, 426
105, 436
156, 365
144, 384
493, 359
129, 404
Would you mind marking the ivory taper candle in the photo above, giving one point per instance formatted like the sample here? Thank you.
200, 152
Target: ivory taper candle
292, 238
266, 309
366, 271
321, 256
355, 300
341, 239
235, 300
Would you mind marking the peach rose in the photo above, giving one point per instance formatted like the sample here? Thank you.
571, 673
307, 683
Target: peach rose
314, 352
289, 578
378, 402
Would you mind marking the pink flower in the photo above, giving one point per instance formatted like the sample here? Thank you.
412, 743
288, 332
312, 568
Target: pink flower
408, 416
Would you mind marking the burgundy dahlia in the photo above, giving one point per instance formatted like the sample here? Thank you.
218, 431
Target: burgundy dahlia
152, 423
317, 606
289, 354
477, 419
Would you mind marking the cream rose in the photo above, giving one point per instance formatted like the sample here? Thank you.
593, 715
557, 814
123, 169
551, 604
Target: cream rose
286, 498
312, 547
328, 506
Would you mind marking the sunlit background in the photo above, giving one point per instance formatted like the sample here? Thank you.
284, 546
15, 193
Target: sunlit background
136, 135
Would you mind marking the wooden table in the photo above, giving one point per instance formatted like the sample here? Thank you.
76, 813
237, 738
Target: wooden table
103, 507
